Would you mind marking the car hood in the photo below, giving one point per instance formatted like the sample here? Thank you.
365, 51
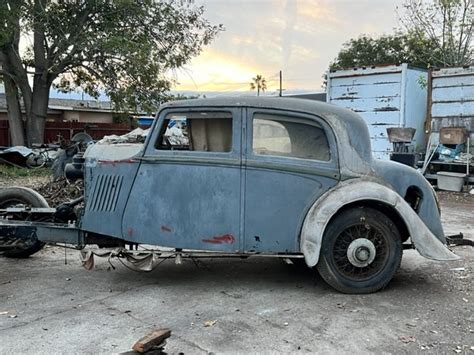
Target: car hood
111, 152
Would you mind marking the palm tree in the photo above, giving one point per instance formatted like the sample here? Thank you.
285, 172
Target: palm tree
258, 83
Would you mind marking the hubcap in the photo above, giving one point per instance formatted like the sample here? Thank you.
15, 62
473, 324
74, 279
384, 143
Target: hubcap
361, 252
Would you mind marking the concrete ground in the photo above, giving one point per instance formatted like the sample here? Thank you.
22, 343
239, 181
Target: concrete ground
258, 305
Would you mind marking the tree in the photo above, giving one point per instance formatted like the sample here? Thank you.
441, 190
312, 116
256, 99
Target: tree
434, 33
123, 48
389, 49
10, 36
258, 83
448, 24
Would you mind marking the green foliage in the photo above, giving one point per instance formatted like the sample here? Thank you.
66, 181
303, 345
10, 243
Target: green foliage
435, 33
384, 50
258, 83
126, 47
447, 24
13, 171
123, 48
421, 80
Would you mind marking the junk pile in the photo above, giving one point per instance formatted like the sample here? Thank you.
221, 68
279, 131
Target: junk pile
453, 153
61, 190
138, 135
21, 156
175, 135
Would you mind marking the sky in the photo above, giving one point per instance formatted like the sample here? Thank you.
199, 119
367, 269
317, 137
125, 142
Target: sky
299, 37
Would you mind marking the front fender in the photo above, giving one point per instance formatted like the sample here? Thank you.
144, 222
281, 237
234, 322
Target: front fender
355, 190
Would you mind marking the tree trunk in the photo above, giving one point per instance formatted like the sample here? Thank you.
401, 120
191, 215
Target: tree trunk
36, 119
15, 119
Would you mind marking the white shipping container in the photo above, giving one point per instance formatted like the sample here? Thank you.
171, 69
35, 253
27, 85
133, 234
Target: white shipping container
452, 98
385, 96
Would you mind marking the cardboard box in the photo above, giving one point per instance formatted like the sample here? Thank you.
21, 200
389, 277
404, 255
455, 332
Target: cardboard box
452, 135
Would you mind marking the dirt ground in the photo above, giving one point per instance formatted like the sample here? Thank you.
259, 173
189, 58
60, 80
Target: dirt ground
258, 305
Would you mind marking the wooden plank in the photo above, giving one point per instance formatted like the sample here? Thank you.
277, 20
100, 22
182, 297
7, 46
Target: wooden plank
156, 337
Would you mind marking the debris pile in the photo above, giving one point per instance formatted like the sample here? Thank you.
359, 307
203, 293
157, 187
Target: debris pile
61, 190
138, 135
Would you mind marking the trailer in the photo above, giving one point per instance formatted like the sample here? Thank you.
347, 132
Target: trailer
393, 96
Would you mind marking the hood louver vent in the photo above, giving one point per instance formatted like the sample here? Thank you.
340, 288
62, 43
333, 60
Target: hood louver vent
105, 194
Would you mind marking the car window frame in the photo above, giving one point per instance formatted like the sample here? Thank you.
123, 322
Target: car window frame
151, 150
250, 158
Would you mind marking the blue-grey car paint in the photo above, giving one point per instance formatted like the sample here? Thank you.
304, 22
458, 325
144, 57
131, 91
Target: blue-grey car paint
187, 199
157, 185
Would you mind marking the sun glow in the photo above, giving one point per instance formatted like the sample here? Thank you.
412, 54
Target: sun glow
213, 71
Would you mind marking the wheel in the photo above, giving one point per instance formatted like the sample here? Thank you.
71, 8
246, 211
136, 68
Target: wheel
20, 196
361, 251
35, 161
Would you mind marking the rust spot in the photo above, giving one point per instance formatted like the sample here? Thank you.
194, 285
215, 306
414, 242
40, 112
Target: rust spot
166, 229
130, 232
113, 162
221, 239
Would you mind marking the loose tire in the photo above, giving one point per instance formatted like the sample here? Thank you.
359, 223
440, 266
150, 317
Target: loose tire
361, 251
15, 196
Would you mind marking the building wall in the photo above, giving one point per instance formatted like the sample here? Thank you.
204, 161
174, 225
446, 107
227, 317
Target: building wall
82, 116
75, 116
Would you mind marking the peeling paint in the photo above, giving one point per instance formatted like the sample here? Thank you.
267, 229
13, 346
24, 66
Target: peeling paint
221, 239
166, 229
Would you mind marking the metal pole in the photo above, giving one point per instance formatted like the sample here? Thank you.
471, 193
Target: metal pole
467, 159
280, 84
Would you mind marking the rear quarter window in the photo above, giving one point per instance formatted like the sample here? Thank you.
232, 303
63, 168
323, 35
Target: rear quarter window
286, 136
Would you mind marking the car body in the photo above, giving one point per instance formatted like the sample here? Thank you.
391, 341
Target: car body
263, 176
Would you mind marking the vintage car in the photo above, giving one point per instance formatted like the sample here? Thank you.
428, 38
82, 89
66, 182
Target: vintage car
246, 177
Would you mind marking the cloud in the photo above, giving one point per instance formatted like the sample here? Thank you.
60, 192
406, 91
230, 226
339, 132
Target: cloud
299, 37
288, 31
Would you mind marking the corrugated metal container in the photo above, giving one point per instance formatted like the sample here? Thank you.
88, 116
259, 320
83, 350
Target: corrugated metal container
452, 98
385, 96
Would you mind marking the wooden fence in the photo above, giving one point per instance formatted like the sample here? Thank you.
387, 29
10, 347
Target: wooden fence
68, 129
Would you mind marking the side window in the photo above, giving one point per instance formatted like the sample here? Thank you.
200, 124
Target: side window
285, 136
204, 131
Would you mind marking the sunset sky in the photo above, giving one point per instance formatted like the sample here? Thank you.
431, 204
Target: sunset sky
263, 36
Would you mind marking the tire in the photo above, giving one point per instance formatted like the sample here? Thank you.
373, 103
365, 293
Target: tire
36, 161
361, 251
14, 196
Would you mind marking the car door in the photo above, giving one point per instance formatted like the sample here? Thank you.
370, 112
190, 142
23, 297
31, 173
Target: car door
187, 190
290, 160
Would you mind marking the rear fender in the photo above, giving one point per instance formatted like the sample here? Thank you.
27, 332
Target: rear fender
355, 190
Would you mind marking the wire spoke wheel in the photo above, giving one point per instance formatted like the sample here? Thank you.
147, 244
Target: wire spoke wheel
361, 251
